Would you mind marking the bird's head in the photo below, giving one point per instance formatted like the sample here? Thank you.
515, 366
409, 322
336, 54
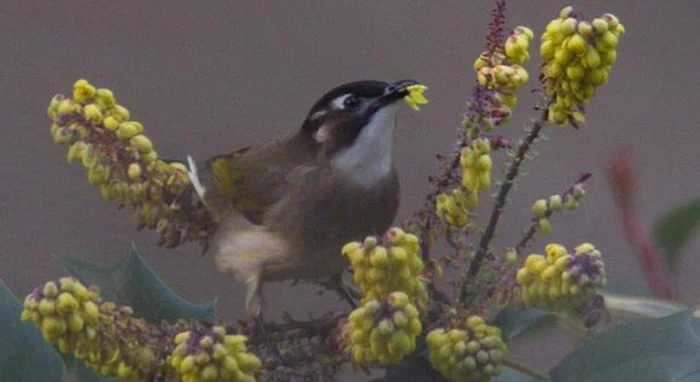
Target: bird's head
354, 123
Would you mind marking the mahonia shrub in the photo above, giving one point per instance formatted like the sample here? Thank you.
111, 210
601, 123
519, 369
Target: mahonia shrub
400, 312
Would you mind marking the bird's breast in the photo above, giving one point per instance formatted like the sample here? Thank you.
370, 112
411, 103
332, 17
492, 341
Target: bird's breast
319, 219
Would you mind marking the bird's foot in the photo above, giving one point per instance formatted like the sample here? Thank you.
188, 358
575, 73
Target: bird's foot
276, 356
338, 285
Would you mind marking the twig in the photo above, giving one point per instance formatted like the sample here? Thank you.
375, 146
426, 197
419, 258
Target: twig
512, 173
533, 227
294, 329
525, 369
427, 214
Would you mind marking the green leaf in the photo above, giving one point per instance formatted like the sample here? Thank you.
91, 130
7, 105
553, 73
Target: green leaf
665, 349
513, 320
131, 282
24, 355
675, 228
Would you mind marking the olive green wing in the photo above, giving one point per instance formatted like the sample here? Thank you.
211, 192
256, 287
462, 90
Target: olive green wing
251, 182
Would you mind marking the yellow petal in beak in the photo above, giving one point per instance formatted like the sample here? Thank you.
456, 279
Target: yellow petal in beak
415, 96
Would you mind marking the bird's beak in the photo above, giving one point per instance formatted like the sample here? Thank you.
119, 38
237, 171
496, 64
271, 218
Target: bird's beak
394, 92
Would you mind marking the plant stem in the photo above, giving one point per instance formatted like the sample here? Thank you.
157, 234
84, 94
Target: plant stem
525, 369
533, 227
512, 173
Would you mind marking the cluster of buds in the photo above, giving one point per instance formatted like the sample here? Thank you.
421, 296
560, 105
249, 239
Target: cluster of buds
383, 332
543, 208
578, 56
470, 351
106, 337
501, 72
559, 280
212, 355
477, 167
121, 160
453, 208
381, 270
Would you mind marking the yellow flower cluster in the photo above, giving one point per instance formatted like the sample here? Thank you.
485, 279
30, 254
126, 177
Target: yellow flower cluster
578, 56
212, 355
476, 167
74, 318
472, 351
121, 160
503, 73
454, 208
542, 208
383, 332
381, 270
415, 96
559, 280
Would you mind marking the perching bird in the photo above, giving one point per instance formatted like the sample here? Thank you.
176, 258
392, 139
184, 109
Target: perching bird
285, 209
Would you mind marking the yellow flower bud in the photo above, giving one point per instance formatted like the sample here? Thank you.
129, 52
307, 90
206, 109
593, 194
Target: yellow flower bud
106, 98
544, 226
110, 123
92, 113
134, 171
585, 29
82, 91
539, 208
608, 41
142, 144
568, 26
127, 130
50, 289
566, 12
577, 45
121, 113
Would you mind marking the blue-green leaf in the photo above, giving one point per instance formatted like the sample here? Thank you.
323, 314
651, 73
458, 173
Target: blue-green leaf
79, 371
24, 355
131, 282
512, 375
664, 349
513, 320
675, 228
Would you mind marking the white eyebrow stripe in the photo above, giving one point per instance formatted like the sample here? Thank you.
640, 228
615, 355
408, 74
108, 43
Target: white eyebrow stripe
337, 103
317, 114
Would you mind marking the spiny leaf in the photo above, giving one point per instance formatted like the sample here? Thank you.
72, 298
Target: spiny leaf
78, 371
665, 349
675, 228
131, 282
420, 370
24, 355
514, 321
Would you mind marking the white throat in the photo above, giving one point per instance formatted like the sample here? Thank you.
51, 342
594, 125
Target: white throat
368, 160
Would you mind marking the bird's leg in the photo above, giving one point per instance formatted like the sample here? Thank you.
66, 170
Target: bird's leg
337, 284
254, 301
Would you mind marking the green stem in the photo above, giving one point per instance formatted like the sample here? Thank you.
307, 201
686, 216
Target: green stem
525, 369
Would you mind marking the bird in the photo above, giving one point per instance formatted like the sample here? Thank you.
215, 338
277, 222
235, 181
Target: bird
284, 209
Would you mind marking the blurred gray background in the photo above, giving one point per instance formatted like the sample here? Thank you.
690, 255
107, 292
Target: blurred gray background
209, 77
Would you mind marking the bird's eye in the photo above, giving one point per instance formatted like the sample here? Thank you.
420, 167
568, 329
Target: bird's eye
351, 102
